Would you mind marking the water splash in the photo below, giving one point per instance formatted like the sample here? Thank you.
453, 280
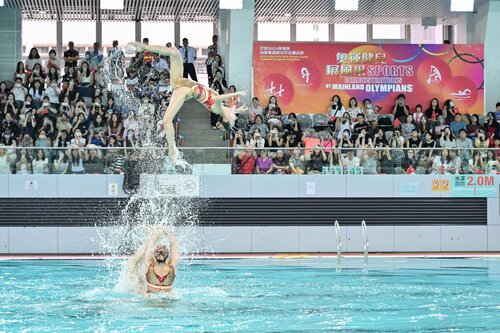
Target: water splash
149, 207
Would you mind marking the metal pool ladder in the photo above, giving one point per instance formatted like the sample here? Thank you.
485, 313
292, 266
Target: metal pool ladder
339, 242
364, 231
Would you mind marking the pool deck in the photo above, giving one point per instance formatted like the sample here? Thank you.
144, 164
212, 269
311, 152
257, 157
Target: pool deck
261, 255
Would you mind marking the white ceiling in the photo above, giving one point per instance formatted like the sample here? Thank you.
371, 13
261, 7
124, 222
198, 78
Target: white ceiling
279, 11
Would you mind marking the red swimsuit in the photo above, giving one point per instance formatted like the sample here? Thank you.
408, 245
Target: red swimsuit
204, 95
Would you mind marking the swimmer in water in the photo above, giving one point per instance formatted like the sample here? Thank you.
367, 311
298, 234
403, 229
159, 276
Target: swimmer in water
154, 264
184, 89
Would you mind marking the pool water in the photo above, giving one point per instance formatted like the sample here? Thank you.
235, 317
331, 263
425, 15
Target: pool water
258, 295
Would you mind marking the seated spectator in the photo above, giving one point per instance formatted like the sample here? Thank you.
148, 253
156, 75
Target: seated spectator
446, 140
401, 111
37, 75
433, 112
217, 65
418, 114
336, 109
350, 161
345, 141
343, 124
424, 126
53, 92
473, 127
414, 141
274, 140
3, 96
78, 140
398, 154
233, 102
316, 160
61, 164
20, 75
310, 140
353, 110
8, 138
368, 110
53, 74
280, 163
360, 125
85, 81
257, 141
4, 161
440, 126
62, 140
37, 93
409, 164
66, 107
76, 162
259, 126
292, 126
407, 128
491, 127
492, 165
93, 160
297, 162
19, 92
115, 126
43, 141
80, 124
248, 158
328, 142
464, 145
457, 125
427, 143
440, 162
363, 141
369, 161
455, 163
273, 114
476, 163
335, 159
9, 124
98, 138
264, 163
379, 139
40, 164
23, 166
449, 111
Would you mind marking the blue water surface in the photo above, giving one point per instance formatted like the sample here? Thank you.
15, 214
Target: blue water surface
257, 295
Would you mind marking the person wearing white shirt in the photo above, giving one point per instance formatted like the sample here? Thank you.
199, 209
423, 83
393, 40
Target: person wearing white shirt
188, 54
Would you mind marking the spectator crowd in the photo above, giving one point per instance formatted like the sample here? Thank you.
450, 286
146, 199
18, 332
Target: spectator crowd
356, 138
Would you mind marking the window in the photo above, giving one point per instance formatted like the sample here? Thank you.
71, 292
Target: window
33, 38
81, 33
199, 34
350, 33
123, 32
312, 32
426, 35
274, 31
388, 31
160, 33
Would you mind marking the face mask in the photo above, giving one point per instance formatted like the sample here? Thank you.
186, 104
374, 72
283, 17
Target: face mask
18, 85
46, 104
53, 85
64, 104
129, 136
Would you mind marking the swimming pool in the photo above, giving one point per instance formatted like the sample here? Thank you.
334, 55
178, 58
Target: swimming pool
258, 295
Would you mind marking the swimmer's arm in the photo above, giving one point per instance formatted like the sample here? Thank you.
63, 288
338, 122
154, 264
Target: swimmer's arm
173, 247
224, 97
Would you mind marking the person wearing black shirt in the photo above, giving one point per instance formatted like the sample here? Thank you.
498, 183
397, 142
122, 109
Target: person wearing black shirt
362, 124
401, 110
71, 56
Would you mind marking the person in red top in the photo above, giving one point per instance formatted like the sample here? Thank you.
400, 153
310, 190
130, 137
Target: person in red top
185, 89
248, 158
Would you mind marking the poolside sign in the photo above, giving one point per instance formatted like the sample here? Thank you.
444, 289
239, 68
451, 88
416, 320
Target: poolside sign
483, 186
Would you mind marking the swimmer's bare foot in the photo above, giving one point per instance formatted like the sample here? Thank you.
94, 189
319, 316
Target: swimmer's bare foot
173, 153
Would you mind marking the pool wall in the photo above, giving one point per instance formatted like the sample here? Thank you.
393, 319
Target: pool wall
26, 226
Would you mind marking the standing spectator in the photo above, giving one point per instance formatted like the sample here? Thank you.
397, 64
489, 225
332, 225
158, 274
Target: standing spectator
86, 80
96, 58
273, 113
353, 109
217, 65
37, 74
254, 110
400, 110
212, 51
71, 56
189, 56
20, 73
464, 145
116, 59
53, 61
76, 162
33, 58
160, 63
369, 162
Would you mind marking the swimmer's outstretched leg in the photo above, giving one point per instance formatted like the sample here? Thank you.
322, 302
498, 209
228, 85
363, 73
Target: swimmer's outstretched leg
179, 96
176, 63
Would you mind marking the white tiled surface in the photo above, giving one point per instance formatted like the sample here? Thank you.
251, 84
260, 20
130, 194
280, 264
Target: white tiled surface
4, 186
78, 240
225, 187
416, 238
275, 186
275, 239
325, 186
33, 240
464, 238
493, 211
320, 238
227, 239
4, 240
494, 238
370, 185
258, 239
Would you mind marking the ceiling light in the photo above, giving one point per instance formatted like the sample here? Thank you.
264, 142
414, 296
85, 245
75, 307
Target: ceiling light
230, 4
346, 4
288, 15
113, 4
42, 12
462, 5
